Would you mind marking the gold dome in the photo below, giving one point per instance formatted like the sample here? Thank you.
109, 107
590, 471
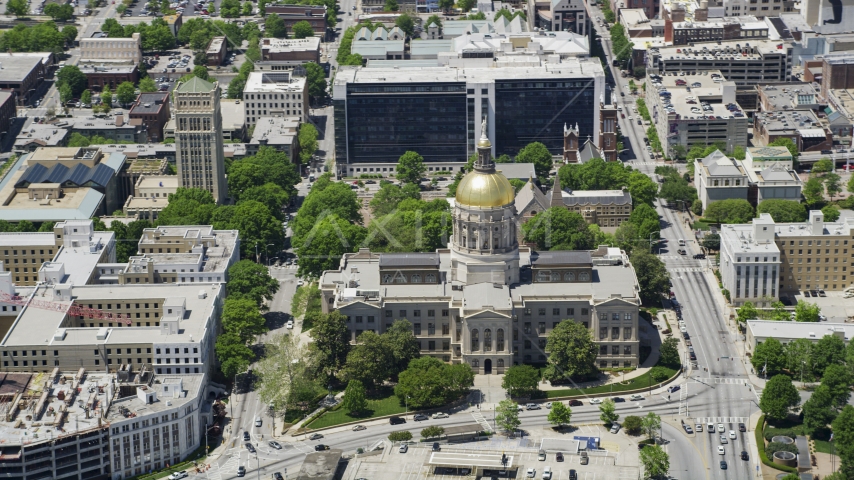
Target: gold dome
485, 189
484, 142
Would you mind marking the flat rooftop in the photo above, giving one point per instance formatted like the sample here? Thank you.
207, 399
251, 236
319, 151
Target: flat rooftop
35, 239
112, 69
43, 134
571, 67
480, 460
741, 50
149, 103
16, 68
43, 427
126, 404
80, 261
216, 45
275, 131
36, 326
739, 240
233, 114
146, 203
158, 181
787, 329
286, 45
789, 96
274, 82
782, 122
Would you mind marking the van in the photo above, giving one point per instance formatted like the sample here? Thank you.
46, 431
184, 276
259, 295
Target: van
681, 242
311, 178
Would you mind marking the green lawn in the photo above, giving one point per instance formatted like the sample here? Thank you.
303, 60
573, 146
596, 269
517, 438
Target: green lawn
383, 403
632, 384
698, 225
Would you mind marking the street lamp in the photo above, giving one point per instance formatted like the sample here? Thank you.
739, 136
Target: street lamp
268, 257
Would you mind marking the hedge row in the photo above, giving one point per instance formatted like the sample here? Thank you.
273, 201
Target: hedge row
760, 443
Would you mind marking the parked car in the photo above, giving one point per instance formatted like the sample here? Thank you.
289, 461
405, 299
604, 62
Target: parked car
178, 475
403, 448
559, 457
547, 473
531, 472
315, 436
584, 458
615, 427
289, 325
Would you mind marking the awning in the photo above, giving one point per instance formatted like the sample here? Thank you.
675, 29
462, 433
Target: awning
812, 133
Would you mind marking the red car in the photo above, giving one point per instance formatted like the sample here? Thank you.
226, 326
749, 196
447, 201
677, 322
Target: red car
575, 403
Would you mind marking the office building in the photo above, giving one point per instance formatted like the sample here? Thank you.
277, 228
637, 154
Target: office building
8, 111
152, 109
115, 127
150, 196
840, 115
810, 255
103, 49
216, 51
56, 184
696, 109
275, 94
638, 25
745, 28
765, 174
801, 127
719, 177
38, 135
791, 96
837, 72
291, 49
565, 16
101, 77
198, 137
23, 75
485, 301
315, 15
276, 132
786, 332
745, 62
382, 112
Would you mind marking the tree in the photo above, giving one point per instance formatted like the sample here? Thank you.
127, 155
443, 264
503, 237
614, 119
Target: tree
850, 186
234, 356
17, 8
466, 5
798, 358
428, 382
126, 93
538, 154
837, 378
831, 213
557, 228
521, 380
241, 316
401, 342
783, 211
402, 436
788, 143
59, 12
432, 432
267, 166
254, 221
677, 190
560, 414
201, 71
307, 142
322, 248
410, 167
832, 185
65, 94
747, 311
405, 22
316, 78
645, 219
507, 415
712, 241
806, 312
819, 410
734, 210
354, 398
271, 195
655, 461
669, 353
106, 98
386, 200
302, 29
247, 10
147, 85
607, 412
823, 166
651, 423
446, 5
843, 438
778, 397
813, 191
72, 76
86, 97
188, 206
69, 32
632, 424
643, 189
572, 351
391, 6
251, 280
274, 27
331, 343
828, 350
282, 372
653, 278
768, 359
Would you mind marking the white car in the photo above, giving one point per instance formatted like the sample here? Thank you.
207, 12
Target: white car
257, 421
547, 473
732, 434
300, 282
531, 473
636, 397
595, 401
721, 450
179, 475
289, 325
548, 404
721, 428
440, 415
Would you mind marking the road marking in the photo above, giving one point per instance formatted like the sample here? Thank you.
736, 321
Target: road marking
478, 417
724, 420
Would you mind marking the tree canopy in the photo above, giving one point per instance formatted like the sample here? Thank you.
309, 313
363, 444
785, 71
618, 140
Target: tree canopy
521, 380
251, 280
734, 210
558, 229
778, 397
410, 168
428, 382
783, 211
653, 278
768, 358
572, 351
539, 155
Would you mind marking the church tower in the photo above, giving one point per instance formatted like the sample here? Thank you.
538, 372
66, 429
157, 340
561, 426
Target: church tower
484, 247
570, 144
607, 130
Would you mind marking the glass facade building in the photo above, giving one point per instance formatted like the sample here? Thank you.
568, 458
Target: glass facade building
533, 110
383, 121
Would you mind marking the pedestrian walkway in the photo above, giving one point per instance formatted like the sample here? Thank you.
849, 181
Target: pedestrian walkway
478, 417
724, 420
685, 269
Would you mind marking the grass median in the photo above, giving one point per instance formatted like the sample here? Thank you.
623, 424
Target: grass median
381, 403
636, 383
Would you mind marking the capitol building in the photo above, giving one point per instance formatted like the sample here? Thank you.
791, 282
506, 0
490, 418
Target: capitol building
485, 300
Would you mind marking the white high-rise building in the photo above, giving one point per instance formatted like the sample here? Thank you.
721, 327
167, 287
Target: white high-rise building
198, 137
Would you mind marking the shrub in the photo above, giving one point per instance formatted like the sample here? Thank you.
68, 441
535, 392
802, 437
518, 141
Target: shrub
774, 432
658, 374
760, 426
632, 424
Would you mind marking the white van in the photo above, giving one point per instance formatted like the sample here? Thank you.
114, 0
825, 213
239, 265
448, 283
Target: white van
681, 242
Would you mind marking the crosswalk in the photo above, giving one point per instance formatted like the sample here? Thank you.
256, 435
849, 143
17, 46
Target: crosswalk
722, 380
724, 420
685, 269
478, 417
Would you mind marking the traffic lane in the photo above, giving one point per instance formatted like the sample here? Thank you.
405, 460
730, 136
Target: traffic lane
683, 454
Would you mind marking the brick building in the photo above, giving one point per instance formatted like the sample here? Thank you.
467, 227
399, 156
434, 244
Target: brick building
7, 110
288, 49
153, 110
291, 14
100, 77
216, 51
